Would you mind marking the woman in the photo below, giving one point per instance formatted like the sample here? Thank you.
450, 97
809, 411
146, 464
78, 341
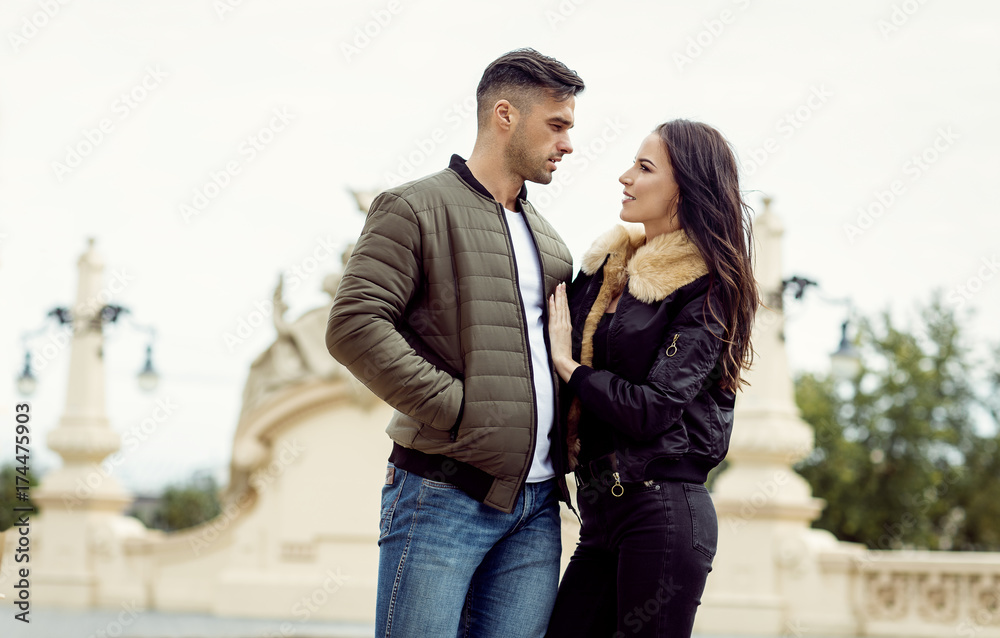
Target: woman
651, 342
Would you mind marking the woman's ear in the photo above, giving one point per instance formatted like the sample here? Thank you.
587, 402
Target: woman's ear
675, 205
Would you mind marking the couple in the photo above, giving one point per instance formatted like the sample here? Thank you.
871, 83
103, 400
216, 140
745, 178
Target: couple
453, 309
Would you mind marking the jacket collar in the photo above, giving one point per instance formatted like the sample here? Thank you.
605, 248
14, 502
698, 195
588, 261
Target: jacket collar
458, 165
654, 268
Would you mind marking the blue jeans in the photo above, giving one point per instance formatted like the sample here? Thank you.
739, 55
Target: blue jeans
641, 564
451, 566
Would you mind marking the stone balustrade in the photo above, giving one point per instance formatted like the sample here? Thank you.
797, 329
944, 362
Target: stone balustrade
924, 593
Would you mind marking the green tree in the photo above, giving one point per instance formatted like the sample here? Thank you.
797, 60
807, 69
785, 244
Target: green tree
978, 500
186, 505
899, 458
8, 495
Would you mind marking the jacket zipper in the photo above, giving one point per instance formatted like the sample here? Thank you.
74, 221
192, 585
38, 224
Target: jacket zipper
524, 317
672, 348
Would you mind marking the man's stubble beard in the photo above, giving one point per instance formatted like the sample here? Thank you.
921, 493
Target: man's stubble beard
521, 162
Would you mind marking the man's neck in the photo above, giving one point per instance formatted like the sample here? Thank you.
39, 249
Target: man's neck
490, 172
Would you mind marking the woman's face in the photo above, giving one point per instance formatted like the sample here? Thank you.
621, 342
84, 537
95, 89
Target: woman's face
651, 194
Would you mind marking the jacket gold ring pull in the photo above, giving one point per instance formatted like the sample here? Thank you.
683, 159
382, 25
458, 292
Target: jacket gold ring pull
672, 348
618, 484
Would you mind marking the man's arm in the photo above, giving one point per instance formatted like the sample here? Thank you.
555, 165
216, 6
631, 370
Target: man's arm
381, 277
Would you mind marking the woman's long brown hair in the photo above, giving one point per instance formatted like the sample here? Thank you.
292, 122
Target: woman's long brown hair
718, 221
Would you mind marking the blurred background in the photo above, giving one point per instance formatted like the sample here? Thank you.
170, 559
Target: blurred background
212, 146
829, 105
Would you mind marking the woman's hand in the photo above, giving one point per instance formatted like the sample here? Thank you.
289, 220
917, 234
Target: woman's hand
561, 334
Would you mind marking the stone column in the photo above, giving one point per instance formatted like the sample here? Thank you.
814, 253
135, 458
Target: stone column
764, 507
79, 498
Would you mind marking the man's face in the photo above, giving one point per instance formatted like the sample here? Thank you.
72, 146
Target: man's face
540, 138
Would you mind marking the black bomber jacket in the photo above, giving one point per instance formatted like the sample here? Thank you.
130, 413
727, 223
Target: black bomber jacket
659, 395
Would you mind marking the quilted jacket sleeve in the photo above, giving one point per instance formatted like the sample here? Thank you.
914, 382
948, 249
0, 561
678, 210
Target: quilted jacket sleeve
681, 370
381, 277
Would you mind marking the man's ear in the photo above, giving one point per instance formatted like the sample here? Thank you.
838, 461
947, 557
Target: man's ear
505, 114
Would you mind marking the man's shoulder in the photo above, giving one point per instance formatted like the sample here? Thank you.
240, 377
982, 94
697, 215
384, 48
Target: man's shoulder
434, 180
436, 189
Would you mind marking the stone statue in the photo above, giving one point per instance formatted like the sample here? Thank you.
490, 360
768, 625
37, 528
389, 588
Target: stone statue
298, 354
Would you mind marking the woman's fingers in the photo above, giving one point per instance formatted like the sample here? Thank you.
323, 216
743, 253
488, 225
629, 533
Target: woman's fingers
559, 308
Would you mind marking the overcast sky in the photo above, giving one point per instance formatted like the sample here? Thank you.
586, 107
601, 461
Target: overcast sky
210, 145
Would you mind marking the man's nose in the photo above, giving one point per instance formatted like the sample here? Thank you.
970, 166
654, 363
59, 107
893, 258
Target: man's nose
566, 147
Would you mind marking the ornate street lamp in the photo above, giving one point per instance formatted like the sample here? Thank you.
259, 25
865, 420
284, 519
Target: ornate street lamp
26, 383
148, 378
845, 362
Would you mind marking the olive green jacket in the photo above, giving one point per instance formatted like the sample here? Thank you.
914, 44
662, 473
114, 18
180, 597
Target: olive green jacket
429, 317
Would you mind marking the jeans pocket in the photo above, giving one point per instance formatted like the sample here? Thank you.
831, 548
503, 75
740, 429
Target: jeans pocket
704, 522
390, 496
438, 485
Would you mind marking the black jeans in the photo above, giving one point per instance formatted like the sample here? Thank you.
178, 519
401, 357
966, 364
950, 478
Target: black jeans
641, 564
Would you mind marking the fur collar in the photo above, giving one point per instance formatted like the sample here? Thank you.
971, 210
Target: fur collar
654, 269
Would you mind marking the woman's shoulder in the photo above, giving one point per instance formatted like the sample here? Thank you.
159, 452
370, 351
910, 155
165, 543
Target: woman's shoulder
695, 303
617, 240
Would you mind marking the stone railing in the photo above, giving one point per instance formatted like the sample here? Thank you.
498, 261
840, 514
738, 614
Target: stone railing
924, 593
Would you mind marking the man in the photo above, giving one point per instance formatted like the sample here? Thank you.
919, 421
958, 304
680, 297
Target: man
441, 312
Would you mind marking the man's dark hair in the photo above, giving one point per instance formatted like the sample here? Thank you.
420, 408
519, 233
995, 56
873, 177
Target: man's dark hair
521, 77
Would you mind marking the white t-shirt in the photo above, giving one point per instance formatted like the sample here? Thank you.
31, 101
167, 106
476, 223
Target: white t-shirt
529, 276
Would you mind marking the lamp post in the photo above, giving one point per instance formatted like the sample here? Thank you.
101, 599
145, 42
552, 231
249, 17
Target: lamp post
845, 361
80, 501
26, 383
148, 378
